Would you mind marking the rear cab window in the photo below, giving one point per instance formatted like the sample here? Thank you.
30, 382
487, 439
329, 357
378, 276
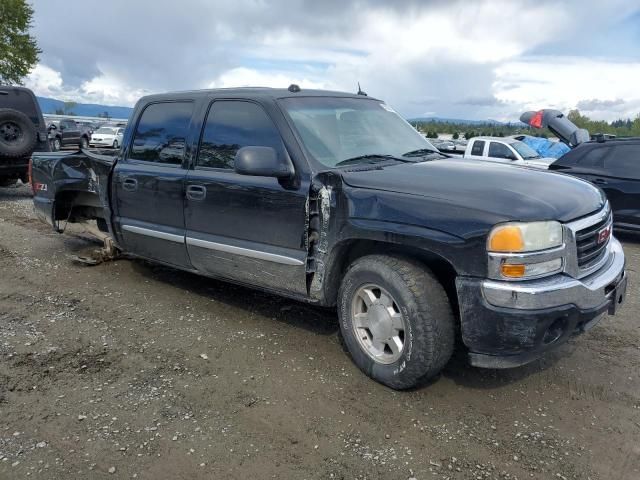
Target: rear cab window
161, 133
231, 125
478, 148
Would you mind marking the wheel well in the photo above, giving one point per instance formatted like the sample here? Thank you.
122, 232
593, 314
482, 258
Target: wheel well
77, 206
348, 252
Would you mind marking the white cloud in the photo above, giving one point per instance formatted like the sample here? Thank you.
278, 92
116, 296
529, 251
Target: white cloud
102, 89
564, 83
45, 81
247, 77
451, 57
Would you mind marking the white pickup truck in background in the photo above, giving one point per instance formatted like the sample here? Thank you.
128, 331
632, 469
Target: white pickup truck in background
505, 150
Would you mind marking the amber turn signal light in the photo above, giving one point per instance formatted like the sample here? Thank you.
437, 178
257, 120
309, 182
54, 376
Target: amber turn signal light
512, 270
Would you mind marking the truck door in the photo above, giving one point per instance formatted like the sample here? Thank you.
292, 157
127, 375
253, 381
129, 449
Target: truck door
501, 153
70, 132
148, 184
246, 228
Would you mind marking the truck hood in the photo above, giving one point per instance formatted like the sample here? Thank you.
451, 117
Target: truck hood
541, 163
506, 193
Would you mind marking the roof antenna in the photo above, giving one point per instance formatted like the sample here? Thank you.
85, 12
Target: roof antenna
360, 92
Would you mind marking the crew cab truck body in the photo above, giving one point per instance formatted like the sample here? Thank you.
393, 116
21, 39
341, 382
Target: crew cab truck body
505, 150
333, 199
66, 131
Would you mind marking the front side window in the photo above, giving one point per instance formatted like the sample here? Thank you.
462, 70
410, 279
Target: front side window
161, 134
500, 150
231, 125
478, 148
336, 130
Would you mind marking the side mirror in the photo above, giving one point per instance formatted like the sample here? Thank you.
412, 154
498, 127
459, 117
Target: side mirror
262, 162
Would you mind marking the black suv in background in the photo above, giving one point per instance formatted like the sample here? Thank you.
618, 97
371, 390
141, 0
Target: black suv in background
22, 131
613, 164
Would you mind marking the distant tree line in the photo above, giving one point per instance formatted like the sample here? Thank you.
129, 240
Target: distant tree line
621, 128
465, 130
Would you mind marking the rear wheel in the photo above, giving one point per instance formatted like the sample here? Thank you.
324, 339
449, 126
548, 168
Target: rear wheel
396, 320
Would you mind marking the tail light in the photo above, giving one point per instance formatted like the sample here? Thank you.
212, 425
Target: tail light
30, 177
536, 120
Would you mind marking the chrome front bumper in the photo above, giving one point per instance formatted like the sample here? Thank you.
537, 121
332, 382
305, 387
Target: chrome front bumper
585, 293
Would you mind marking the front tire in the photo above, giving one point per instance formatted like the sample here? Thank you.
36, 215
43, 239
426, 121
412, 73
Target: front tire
84, 143
395, 320
115, 144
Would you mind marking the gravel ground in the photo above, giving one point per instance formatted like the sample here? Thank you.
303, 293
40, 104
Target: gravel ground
130, 370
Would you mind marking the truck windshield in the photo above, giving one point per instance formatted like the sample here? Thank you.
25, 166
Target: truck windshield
525, 151
344, 131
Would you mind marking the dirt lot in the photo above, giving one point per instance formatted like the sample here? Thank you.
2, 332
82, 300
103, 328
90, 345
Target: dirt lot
129, 370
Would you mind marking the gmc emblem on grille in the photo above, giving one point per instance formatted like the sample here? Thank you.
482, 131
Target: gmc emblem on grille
603, 235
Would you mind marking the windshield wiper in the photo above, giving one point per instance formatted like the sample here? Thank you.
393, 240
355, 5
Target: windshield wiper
371, 158
422, 152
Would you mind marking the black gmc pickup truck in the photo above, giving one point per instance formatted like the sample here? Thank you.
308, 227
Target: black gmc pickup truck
334, 199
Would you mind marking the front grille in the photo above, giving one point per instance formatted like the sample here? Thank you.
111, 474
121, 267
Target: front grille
591, 247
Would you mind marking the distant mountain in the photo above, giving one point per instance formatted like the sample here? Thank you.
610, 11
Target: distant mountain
50, 105
461, 121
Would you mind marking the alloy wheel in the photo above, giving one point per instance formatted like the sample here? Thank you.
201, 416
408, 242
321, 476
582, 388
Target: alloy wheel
378, 324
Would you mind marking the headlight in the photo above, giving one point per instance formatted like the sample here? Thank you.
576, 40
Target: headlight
521, 251
519, 237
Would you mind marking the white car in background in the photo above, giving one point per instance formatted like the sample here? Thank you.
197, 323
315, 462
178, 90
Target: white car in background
107, 137
505, 150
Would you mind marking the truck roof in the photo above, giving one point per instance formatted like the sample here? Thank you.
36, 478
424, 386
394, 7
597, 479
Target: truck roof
263, 92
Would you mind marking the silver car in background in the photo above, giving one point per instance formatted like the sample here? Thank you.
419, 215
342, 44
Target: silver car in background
110, 137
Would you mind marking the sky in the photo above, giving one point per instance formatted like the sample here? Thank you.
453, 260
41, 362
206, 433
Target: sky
469, 59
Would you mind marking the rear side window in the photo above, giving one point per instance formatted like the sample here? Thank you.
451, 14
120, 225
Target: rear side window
624, 161
232, 125
478, 148
161, 134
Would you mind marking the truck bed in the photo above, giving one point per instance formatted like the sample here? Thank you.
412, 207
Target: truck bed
72, 186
